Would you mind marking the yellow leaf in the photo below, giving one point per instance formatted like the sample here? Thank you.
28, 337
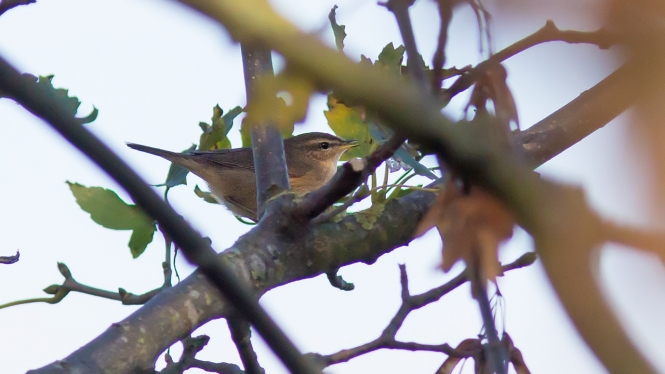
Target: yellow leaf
348, 123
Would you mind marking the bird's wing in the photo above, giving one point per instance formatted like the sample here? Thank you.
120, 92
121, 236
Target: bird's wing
238, 158
249, 213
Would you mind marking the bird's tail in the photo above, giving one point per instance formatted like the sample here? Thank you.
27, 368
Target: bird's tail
154, 151
181, 159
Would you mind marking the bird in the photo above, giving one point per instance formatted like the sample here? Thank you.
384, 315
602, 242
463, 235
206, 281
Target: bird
311, 160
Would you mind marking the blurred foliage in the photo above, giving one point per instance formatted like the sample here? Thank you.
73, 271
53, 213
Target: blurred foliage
59, 95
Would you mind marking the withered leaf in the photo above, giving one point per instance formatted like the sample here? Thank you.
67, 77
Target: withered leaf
471, 227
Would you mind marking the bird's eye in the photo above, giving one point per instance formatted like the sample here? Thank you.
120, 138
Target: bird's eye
325, 145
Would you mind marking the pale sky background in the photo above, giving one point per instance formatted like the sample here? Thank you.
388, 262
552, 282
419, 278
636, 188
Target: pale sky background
155, 69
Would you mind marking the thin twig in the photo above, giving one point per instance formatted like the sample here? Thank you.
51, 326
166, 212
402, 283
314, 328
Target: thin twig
439, 60
191, 347
548, 33
400, 8
494, 351
241, 336
410, 303
41, 103
71, 285
6, 260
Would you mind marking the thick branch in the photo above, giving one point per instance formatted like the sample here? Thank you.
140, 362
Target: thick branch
587, 113
267, 145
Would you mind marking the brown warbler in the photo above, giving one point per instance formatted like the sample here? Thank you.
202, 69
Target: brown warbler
310, 158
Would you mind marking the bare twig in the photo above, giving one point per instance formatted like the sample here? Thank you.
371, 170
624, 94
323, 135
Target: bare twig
400, 8
71, 285
548, 33
241, 336
6, 260
267, 145
410, 303
191, 347
39, 102
494, 351
6, 5
445, 14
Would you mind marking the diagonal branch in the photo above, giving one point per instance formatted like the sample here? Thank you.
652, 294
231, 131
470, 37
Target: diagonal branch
6, 5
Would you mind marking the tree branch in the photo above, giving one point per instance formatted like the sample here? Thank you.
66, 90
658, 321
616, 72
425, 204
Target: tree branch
267, 146
495, 353
6, 5
241, 336
410, 303
70, 284
439, 60
548, 33
191, 347
7, 260
585, 114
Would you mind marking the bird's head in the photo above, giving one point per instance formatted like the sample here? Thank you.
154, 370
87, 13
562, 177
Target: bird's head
316, 148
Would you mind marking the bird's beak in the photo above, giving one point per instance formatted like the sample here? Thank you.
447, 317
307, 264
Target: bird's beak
350, 144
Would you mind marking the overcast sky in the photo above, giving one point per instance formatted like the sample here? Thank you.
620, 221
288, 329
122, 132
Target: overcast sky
154, 70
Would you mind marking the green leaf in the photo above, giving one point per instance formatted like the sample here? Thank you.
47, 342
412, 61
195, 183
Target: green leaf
347, 123
338, 30
206, 196
108, 210
214, 136
177, 174
382, 134
403, 192
391, 58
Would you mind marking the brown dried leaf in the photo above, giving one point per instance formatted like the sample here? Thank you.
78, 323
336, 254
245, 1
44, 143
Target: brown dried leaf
492, 86
471, 227
515, 355
470, 345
